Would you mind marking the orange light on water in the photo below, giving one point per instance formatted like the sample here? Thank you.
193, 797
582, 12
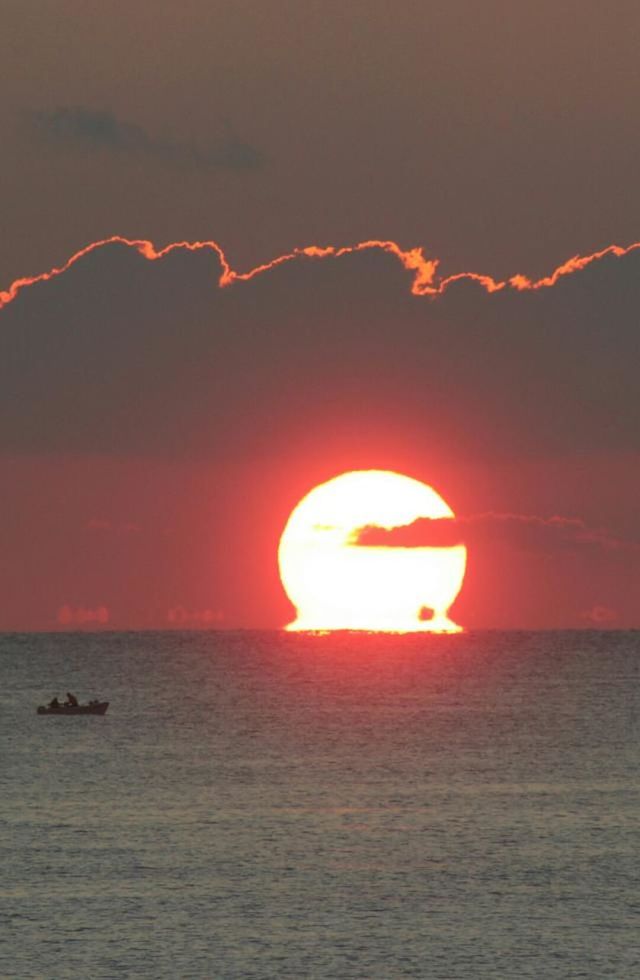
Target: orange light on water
335, 583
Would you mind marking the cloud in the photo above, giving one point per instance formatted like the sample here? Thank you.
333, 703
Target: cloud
82, 616
425, 280
523, 532
98, 524
600, 615
128, 348
194, 618
101, 129
103, 524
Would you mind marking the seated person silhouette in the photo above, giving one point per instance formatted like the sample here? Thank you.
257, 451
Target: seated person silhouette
72, 700
54, 703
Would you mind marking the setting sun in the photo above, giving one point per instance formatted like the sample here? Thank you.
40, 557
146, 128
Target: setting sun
336, 583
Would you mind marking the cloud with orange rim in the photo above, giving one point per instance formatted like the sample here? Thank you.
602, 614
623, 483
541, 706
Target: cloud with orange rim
133, 348
425, 281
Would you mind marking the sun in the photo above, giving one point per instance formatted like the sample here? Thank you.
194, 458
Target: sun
335, 583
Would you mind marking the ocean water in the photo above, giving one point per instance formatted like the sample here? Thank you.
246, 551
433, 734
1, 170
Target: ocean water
268, 805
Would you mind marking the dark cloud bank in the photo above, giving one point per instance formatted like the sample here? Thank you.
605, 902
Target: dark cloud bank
120, 354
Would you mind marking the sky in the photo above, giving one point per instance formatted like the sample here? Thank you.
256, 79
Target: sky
161, 412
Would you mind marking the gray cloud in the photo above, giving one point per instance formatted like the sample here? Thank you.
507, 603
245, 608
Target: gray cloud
101, 129
525, 532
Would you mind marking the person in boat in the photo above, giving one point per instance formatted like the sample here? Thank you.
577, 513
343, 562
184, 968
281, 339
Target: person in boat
54, 703
72, 701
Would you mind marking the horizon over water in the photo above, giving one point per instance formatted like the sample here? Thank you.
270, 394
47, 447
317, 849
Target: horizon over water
269, 804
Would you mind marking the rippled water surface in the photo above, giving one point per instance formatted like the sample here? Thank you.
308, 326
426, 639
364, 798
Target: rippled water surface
266, 805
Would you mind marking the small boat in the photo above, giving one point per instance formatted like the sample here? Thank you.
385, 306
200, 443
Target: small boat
93, 708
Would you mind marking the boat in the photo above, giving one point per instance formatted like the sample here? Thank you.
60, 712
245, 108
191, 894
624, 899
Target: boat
93, 708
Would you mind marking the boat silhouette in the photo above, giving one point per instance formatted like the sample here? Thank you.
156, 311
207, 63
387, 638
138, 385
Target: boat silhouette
93, 708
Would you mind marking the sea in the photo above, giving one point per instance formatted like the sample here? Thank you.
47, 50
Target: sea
279, 805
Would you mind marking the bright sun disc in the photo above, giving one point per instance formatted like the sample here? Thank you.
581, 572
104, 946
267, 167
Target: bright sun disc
334, 583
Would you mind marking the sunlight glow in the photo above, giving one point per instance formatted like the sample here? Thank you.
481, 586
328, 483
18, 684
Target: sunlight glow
335, 583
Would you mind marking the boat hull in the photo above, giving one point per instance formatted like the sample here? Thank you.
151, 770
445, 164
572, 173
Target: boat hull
81, 709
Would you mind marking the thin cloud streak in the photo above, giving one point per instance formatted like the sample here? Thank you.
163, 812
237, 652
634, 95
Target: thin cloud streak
526, 532
102, 130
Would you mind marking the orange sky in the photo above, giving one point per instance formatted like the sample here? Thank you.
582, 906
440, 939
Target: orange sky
425, 218
175, 423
